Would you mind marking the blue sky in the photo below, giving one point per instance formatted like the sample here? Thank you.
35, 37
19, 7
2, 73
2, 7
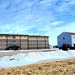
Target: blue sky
37, 17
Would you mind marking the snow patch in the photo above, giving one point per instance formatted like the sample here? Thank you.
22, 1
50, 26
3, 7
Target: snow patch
34, 57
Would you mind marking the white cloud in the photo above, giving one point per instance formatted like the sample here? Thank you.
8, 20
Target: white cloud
57, 22
65, 6
66, 28
15, 29
61, 28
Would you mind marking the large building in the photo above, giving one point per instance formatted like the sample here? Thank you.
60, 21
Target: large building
16, 41
66, 38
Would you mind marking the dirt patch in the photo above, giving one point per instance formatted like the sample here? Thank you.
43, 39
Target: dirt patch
66, 67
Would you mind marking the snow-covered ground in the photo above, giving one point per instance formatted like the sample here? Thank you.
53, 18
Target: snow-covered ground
34, 57
6, 50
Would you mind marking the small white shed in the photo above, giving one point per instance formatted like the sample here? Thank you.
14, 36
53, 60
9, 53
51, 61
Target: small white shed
66, 38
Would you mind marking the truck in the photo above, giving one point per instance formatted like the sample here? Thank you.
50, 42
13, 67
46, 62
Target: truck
66, 47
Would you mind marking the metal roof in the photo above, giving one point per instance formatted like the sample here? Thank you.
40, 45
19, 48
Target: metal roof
22, 35
13, 35
71, 33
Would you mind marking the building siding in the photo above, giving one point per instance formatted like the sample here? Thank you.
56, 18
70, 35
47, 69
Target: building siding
73, 40
24, 41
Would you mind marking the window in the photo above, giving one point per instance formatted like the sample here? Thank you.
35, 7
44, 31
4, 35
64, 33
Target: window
73, 36
59, 37
63, 38
6, 36
14, 36
13, 44
6, 40
13, 40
